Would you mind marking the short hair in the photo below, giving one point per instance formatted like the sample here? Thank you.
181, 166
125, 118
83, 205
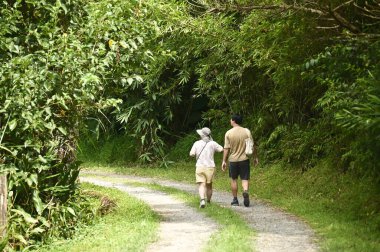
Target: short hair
237, 118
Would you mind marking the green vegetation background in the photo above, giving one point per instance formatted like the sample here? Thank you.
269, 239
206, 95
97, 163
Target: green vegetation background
140, 75
340, 207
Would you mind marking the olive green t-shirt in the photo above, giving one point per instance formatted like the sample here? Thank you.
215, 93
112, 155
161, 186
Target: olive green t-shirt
234, 140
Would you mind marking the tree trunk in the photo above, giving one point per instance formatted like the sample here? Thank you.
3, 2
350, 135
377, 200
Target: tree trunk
3, 205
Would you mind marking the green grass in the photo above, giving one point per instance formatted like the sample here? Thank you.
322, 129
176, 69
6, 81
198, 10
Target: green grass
180, 171
131, 226
233, 234
343, 209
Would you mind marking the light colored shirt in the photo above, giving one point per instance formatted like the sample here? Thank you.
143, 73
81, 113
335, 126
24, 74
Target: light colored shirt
206, 158
234, 140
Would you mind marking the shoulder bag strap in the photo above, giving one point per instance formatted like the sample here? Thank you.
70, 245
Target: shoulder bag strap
201, 151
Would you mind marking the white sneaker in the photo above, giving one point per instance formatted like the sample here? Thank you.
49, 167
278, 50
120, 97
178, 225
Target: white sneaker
202, 204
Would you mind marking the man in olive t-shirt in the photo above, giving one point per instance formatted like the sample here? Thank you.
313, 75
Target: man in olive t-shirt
234, 150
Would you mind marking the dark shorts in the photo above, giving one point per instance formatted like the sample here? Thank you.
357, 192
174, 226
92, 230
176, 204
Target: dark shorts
241, 169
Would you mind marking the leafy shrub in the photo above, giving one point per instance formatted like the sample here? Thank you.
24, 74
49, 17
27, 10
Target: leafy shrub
59, 220
180, 151
49, 81
107, 150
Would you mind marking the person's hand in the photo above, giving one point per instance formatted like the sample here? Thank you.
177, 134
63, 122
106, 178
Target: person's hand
224, 166
256, 161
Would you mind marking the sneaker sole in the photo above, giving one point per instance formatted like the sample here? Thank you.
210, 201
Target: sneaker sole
246, 199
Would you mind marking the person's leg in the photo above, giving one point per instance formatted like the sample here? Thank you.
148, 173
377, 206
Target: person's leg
234, 187
245, 184
202, 189
210, 172
209, 192
245, 176
234, 173
201, 181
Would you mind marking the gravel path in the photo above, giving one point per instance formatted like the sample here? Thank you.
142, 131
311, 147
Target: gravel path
181, 228
277, 231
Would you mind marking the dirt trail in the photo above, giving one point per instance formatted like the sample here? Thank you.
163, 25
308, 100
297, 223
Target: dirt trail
182, 228
277, 231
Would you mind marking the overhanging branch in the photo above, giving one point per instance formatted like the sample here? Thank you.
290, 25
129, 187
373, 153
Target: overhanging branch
266, 7
333, 14
344, 22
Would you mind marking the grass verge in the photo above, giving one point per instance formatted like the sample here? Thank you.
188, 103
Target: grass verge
130, 226
234, 234
343, 209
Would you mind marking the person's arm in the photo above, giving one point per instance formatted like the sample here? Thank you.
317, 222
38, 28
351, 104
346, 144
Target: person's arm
218, 147
193, 151
225, 156
226, 151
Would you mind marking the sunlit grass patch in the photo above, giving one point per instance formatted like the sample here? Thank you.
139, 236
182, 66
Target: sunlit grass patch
130, 226
339, 207
233, 234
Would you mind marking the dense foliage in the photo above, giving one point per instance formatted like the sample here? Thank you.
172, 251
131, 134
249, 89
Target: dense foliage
307, 83
50, 79
305, 74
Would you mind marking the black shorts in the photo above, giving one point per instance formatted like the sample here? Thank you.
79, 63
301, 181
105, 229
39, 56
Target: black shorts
240, 168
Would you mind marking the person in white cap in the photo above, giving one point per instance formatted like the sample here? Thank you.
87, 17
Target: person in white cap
204, 150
